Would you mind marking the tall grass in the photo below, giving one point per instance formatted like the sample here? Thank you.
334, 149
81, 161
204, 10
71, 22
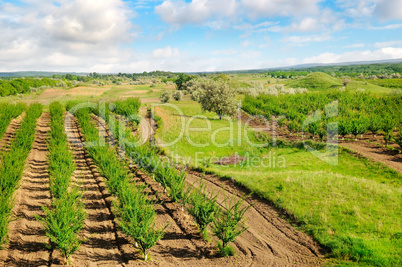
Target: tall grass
65, 218
12, 165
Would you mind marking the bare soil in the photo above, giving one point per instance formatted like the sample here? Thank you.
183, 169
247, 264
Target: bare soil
369, 146
27, 239
9, 135
103, 243
269, 240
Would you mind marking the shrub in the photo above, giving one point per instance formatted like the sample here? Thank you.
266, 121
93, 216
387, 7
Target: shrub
166, 96
178, 95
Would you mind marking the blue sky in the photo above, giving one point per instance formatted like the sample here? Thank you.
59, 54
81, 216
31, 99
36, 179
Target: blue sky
197, 35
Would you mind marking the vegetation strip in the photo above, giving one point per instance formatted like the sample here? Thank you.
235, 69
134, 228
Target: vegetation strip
133, 208
12, 165
7, 113
65, 219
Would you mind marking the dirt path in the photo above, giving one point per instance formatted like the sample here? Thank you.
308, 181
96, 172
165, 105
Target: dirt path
146, 128
27, 236
104, 244
370, 150
9, 135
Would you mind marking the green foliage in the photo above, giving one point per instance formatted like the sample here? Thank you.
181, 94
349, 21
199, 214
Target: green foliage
23, 85
182, 79
228, 223
128, 107
135, 213
218, 97
398, 137
63, 222
316, 81
357, 112
389, 83
203, 207
178, 95
65, 219
165, 96
137, 219
12, 165
7, 113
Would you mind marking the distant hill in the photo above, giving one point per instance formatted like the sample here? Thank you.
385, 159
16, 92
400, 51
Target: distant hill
312, 65
316, 81
37, 74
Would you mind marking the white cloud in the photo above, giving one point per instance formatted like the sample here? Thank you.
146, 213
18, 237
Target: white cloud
179, 13
274, 8
165, 52
303, 40
224, 52
388, 9
387, 27
388, 44
72, 34
366, 55
358, 45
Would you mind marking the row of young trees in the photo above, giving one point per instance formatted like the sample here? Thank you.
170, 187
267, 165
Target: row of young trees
64, 220
355, 113
227, 223
12, 165
134, 210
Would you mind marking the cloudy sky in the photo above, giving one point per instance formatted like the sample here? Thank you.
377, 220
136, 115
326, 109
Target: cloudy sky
198, 35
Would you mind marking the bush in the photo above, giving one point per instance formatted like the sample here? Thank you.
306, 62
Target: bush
166, 96
178, 95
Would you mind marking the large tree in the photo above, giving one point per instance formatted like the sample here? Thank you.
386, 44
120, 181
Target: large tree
217, 96
182, 79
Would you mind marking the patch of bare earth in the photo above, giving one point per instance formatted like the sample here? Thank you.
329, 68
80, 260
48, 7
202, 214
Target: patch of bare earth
368, 146
11, 130
269, 239
27, 239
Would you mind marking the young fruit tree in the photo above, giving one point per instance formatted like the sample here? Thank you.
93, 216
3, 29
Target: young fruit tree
202, 208
229, 224
218, 97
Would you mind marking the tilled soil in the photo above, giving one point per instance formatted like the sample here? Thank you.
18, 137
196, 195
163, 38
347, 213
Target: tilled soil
268, 241
369, 146
10, 133
27, 240
103, 243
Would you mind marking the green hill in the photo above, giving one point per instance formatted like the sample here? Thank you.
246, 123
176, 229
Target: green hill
316, 81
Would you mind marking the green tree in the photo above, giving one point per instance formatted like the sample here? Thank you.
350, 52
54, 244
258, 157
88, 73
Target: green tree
218, 97
182, 79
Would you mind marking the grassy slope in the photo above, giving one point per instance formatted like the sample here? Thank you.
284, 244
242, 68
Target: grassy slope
353, 207
316, 81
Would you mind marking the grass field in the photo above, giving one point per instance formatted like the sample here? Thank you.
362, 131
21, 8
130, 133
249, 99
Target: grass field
352, 208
